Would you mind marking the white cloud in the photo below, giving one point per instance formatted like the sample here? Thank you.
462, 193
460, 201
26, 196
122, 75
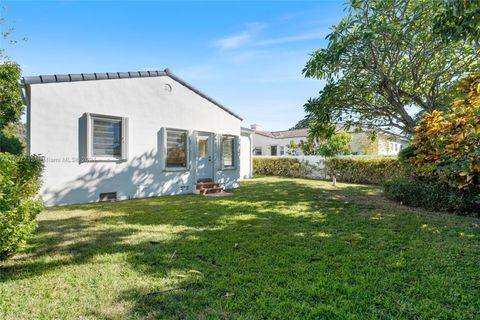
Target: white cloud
294, 38
233, 41
237, 40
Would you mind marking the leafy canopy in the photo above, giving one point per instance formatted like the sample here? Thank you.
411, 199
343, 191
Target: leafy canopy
338, 144
384, 66
11, 104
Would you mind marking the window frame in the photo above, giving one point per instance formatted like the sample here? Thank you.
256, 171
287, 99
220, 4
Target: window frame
276, 150
255, 153
234, 152
90, 138
187, 150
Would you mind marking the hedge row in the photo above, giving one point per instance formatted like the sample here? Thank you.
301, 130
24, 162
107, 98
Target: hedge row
365, 170
434, 195
286, 167
19, 205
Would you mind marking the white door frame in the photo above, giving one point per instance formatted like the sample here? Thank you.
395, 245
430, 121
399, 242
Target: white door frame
211, 153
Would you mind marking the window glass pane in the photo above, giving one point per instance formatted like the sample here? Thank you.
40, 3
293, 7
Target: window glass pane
273, 150
202, 147
176, 149
227, 149
107, 137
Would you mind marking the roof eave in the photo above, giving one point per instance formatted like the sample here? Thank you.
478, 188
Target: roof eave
56, 78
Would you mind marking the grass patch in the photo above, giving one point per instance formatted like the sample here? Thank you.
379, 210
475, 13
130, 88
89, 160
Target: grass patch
278, 248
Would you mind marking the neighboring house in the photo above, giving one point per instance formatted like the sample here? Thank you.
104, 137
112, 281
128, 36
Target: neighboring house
275, 143
130, 135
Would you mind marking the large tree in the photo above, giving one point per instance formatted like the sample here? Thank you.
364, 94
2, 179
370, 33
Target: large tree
385, 64
11, 105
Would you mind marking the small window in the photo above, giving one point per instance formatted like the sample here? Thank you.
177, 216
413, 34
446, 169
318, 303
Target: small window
273, 150
228, 151
108, 196
282, 150
177, 153
257, 151
107, 137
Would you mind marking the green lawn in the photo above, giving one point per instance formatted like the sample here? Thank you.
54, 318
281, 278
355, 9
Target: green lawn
277, 249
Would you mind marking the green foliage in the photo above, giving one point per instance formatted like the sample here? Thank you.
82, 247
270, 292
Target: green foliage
10, 97
434, 195
10, 141
301, 124
308, 147
11, 104
456, 19
447, 145
19, 205
305, 147
407, 153
382, 59
337, 144
11, 108
365, 170
285, 167
292, 148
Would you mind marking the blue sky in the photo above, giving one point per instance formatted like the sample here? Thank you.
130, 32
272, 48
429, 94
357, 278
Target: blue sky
248, 55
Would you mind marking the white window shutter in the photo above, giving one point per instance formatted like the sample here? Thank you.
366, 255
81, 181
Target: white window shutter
218, 151
124, 138
236, 152
162, 147
88, 136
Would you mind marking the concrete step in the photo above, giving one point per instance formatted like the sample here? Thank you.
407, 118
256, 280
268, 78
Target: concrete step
211, 190
207, 185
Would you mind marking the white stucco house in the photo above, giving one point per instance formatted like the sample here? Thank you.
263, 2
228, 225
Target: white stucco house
130, 135
275, 143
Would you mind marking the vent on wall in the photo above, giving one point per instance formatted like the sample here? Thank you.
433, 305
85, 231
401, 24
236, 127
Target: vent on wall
108, 196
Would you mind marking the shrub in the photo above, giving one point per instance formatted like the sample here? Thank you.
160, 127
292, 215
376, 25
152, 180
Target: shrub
337, 144
447, 146
434, 195
366, 170
406, 154
19, 204
286, 167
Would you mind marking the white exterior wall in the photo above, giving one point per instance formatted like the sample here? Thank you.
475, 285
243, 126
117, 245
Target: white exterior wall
261, 141
55, 131
245, 156
360, 141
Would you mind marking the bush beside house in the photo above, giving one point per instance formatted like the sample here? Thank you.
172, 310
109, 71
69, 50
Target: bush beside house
285, 167
445, 154
19, 204
433, 195
367, 171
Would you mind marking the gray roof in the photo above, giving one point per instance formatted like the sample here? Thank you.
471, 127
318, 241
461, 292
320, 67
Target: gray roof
302, 133
298, 133
119, 75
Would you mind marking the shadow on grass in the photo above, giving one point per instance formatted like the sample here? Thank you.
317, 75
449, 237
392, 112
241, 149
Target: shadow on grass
219, 257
